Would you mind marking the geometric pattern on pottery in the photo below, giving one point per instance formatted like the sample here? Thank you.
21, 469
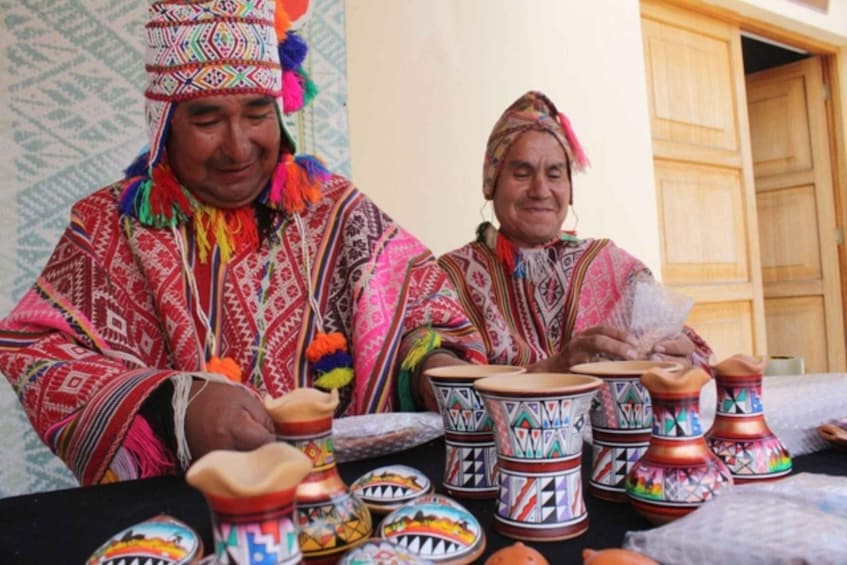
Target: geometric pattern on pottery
471, 466
759, 457
621, 404
331, 527
610, 464
676, 421
433, 531
462, 408
394, 483
676, 485
380, 551
546, 500
739, 401
270, 541
544, 428
319, 449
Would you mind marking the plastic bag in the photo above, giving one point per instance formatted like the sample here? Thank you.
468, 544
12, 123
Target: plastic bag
650, 313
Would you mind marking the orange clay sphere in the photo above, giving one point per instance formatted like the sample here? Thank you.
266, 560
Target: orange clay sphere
614, 556
516, 554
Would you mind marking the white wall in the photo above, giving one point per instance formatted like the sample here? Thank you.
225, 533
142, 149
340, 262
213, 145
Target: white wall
427, 79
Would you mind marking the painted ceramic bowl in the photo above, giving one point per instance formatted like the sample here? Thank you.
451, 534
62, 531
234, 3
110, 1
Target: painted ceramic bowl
441, 533
162, 539
378, 551
387, 488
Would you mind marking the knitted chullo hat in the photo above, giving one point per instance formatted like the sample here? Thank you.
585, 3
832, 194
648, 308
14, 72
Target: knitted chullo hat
532, 111
206, 48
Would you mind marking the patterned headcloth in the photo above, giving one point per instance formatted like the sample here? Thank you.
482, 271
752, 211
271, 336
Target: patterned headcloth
532, 111
198, 48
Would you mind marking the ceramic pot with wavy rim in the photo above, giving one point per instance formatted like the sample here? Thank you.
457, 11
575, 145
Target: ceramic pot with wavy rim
739, 435
330, 520
538, 423
621, 420
678, 472
251, 495
470, 462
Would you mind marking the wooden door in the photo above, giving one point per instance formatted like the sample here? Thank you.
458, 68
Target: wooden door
704, 174
796, 212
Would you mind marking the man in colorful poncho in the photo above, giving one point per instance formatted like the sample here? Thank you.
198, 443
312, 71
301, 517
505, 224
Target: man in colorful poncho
541, 297
220, 269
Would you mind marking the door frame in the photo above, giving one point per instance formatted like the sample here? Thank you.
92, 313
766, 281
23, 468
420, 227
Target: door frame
834, 62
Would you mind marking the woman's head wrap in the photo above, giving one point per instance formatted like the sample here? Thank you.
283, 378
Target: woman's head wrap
532, 111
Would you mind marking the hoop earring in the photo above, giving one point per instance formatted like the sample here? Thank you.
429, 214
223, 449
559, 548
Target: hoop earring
572, 213
490, 218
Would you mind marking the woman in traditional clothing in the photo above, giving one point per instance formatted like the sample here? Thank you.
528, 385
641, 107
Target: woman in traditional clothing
541, 297
222, 268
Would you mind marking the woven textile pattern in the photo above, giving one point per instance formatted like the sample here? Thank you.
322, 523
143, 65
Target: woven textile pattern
72, 80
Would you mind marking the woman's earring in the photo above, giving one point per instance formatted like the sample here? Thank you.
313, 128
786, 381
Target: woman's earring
482, 210
572, 214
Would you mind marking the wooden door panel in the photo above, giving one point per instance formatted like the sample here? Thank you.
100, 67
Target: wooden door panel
726, 326
795, 203
796, 328
779, 128
690, 77
704, 174
788, 235
702, 223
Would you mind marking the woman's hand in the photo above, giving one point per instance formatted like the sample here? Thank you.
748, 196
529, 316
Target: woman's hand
224, 416
593, 344
678, 349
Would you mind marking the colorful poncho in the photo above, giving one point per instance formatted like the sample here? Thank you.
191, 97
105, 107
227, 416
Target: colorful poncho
527, 317
112, 317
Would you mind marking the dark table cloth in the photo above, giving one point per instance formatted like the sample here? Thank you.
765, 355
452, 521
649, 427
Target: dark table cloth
66, 526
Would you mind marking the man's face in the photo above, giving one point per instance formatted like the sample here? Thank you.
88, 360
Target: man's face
533, 190
224, 149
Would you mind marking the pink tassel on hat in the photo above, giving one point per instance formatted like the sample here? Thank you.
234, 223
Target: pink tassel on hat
580, 158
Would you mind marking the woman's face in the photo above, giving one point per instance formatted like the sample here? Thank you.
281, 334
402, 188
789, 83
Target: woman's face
533, 190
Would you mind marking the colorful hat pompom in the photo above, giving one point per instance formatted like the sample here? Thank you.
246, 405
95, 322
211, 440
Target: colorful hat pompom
292, 52
226, 367
331, 363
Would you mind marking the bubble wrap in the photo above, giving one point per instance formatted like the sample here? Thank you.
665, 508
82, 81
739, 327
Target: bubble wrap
374, 435
650, 313
794, 407
800, 519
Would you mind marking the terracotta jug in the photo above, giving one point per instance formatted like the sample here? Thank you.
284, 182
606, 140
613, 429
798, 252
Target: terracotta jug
251, 495
740, 435
621, 419
330, 519
678, 472
538, 422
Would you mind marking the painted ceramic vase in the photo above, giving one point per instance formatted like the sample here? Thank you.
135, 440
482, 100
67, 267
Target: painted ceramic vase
740, 435
621, 420
470, 456
538, 423
251, 495
330, 520
678, 472
444, 533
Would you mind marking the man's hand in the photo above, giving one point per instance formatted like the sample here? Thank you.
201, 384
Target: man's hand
224, 416
593, 344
